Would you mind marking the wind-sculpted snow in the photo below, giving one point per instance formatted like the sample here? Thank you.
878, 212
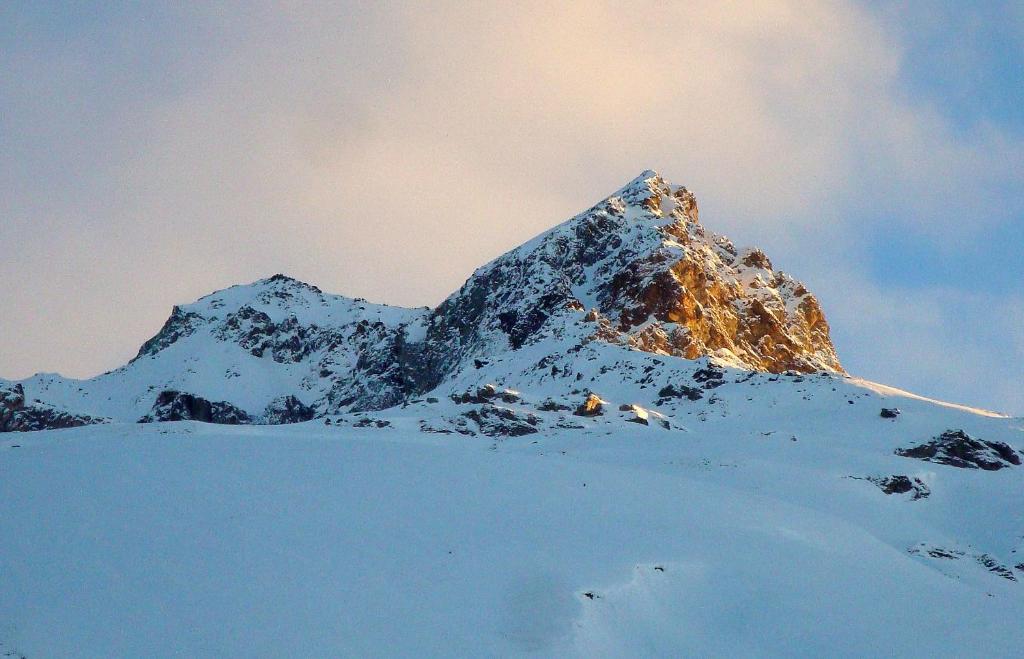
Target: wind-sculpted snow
636, 271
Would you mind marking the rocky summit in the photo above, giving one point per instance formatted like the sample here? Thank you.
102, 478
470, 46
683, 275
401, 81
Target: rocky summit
637, 270
640, 266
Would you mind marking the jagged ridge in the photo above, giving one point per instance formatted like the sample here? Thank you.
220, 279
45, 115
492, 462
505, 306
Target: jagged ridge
637, 271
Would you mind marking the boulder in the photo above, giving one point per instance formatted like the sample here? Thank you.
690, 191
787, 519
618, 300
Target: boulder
591, 406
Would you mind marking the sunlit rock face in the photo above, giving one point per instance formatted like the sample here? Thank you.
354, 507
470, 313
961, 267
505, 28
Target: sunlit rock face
643, 270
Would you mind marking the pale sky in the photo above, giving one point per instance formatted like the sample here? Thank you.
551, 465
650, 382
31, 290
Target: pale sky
150, 155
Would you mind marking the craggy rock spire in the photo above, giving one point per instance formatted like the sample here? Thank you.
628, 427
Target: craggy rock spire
651, 278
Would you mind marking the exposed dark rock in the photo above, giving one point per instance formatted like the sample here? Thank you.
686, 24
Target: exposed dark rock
484, 394
287, 409
427, 427
16, 415
12, 397
958, 449
180, 324
680, 391
173, 405
938, 552
901, 485
755, 258
502, 422
710, 376
890, 412
367, 422
995, 567
551, 405
285, 342
987, 561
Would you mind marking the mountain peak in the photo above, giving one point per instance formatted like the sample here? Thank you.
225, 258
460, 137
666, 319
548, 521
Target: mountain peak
641, 266
635, 273
658, 198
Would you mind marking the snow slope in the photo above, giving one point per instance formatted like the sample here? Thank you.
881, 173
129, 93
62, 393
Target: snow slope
750, 533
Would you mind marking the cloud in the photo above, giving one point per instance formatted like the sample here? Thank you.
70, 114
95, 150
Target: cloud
387, 150
943, 342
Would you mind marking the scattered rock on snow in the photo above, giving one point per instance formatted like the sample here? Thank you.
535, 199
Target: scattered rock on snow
486, 394
496, 421
995, 567
551, 405
900, 484
681, 391
367, 422
987, 561
710, 376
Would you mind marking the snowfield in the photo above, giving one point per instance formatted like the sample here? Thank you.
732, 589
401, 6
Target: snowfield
625, 438
751, 533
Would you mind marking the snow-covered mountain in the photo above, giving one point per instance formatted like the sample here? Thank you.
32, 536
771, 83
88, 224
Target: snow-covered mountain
623, 438
637, 270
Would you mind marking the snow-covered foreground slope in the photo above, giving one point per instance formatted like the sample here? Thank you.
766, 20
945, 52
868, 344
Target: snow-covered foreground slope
751, 532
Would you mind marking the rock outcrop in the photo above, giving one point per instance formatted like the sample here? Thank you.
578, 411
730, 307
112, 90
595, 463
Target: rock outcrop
180, 406
287, 409
958, 449
17, 415
592, 405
